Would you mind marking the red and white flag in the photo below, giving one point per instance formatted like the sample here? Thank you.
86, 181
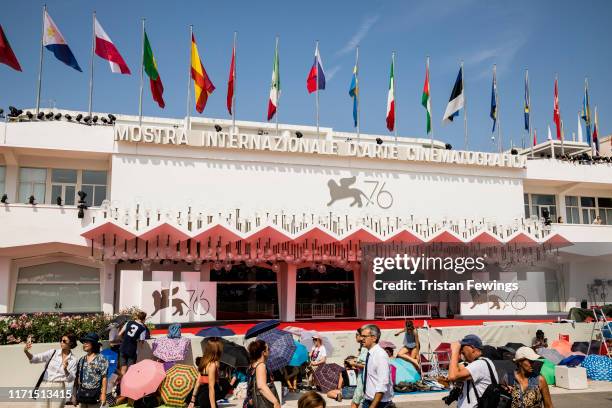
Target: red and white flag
556, 112
105, 49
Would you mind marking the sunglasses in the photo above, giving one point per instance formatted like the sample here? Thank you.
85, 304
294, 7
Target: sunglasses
65, 341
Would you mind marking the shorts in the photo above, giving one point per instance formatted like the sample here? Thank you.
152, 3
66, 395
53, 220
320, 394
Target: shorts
126, 360
348, 392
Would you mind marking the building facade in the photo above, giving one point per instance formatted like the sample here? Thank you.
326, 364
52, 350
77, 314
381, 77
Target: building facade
253, 222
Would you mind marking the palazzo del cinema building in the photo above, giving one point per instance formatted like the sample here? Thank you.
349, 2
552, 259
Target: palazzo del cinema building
222, 223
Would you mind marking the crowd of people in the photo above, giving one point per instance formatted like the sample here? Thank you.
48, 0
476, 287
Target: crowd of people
367, 378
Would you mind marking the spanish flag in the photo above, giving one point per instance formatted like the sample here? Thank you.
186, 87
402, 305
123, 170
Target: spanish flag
201, 82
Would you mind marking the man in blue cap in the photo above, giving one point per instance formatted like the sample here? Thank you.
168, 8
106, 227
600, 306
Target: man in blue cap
476, 375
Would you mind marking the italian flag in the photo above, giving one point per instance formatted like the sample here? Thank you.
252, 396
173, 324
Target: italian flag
150, 67
426, 98
274, 86
391, 100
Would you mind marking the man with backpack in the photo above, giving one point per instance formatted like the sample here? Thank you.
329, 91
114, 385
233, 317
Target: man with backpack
480, 380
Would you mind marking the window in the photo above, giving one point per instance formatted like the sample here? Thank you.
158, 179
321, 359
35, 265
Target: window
63, 185
541, 202
2, 180
327, 294
526, 202
605, 209
589, 210
32, 181
572, 210
57, 287
94, 184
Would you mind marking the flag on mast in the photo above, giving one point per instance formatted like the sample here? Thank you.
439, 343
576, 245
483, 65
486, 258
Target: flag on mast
354, 93
586, 112
426, 97
7, 56
275, 88
579, 129
391, 100
595, 136
230, 82
53, 40
150, 67
527, 107
105, 49
456, 101
493, 112
202, 85
556, 112
316, 75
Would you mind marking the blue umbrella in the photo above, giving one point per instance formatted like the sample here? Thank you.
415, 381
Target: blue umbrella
281, 346
216, 331
111, 356
300, 355
261, 328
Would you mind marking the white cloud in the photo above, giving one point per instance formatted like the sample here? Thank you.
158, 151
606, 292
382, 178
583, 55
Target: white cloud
330, 73
361, 33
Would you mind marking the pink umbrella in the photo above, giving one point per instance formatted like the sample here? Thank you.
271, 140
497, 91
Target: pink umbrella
142, 379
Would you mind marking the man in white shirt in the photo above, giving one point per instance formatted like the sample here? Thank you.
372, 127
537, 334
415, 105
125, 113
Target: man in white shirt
475, 376
377, 385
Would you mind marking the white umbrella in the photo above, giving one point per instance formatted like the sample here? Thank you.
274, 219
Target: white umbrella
306, 340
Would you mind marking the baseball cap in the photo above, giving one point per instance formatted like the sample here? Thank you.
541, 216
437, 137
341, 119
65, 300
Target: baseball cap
472, 340
525, 353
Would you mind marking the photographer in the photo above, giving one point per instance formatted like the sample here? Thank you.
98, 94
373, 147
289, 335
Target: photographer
476, 376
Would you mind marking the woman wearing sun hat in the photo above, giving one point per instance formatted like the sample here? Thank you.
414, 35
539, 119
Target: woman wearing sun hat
90, 382
528, 388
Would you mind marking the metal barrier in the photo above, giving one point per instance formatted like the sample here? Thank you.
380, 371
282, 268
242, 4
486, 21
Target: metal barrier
318, 310
406, 311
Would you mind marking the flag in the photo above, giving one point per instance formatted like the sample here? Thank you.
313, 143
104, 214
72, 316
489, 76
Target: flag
316, 76
354, 93
586, 112
150, 67
549, 133
493, 112
391, 100
54, 42
105, 49
527, 100
275, 88
230, 82
595, 136
7, 56
580, 137
202, 85
426, 97
556, 112
456, 100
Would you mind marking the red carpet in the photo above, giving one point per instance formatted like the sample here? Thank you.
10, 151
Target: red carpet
349, 325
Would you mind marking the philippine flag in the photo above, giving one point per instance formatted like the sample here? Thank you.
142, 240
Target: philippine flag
105, 49
54, 42
316, 76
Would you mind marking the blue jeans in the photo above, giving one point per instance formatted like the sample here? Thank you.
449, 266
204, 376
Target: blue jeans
366, 403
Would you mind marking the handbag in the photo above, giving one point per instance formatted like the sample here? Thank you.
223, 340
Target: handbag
86, 395
259, 401
42, 375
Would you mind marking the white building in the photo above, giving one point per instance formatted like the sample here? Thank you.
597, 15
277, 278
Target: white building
214, 224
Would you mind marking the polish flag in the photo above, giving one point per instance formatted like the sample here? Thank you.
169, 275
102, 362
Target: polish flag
105, 49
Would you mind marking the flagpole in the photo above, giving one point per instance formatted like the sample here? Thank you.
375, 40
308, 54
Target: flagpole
278, 90
141, 75
528, 103
499, 134
357, 96
317, 90
234, 85
561, 122
91, 61
431, 138
394, 100
530, 115
40, 67
188, 122
465, 128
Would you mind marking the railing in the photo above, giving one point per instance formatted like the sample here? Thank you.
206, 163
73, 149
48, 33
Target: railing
405, 311
318, 310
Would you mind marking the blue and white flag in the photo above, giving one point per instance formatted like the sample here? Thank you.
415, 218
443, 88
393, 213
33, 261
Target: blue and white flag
456, 101
53, 40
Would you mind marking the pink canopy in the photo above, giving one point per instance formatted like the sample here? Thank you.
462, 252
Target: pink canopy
142, 379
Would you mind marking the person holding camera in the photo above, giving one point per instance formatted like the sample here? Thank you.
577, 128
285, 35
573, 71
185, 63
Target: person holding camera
527, 387
477, 376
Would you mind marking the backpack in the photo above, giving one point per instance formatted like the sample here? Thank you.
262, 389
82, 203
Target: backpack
494, 396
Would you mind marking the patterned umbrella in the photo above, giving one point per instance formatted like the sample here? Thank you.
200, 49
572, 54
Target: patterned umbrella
327, 376
281, 347
142, 379
179, 382
167, 349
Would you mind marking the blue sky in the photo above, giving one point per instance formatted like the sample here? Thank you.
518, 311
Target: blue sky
548, 37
